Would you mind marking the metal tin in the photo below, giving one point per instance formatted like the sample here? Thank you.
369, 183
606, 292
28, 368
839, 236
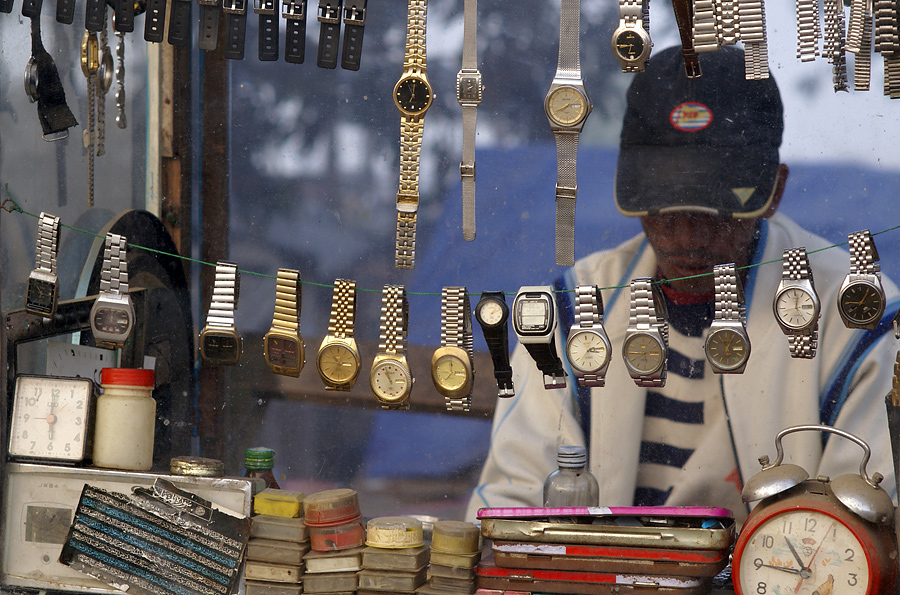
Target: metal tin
394, 532
404, 559
333, 582
266, 571
455, 537
196, 466
452, 572
393, 581
330, 562
277, 552
457, 560
331, 538
266, 588
280, 528
331, 507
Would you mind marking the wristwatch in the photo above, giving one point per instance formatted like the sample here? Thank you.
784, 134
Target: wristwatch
588, 347
282, 345
452, 369
631, 42
468, 93
219, 341
727, 345
535, 321
235, 28
492, 314
354, 27
796, 304
413, 96
112, 315
861, 298
338, 358
42, 291
646, 345
329, 17
567, 107
390, 378
267, 46
294, 13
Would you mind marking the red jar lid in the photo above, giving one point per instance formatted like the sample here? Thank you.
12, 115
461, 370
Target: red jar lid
128, 377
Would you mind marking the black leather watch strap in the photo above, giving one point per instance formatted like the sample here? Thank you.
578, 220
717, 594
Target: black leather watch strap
6, 6
235, 28
497, 339
329, 17
294, 13
354, 26
155, 20
268, 29
209, 25
65, 11
124, 20
94, 13
546, 358
180, 23
55, 116
32, 8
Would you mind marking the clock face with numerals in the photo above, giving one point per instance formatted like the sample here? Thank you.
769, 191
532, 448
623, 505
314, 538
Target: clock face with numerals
491, 312
50, 418
413, 96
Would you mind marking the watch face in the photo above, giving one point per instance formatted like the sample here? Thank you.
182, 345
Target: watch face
491, 312
390, 380
796, 308
413, 95
450, 372
567, 106
629, 45
284, 352
338, 363
220, 347
643, 353
49, 418
40, 297
587, 351
468, 87
111, 320
804, 551
533, 315
728, 348
862, 303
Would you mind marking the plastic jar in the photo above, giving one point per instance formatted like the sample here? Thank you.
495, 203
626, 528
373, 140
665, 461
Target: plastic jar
125, 420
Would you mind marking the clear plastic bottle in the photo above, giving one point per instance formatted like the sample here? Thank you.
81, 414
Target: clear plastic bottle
258, 463
572, 484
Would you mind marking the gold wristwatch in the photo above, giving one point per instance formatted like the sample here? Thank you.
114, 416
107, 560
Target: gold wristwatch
283, 346
338, 356
391, 379
413, 97
451, 365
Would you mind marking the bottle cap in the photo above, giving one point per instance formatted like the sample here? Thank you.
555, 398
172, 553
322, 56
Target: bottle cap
331, 507
571, 456
259, 458
455, 537
394, 532
196, 466
127, 377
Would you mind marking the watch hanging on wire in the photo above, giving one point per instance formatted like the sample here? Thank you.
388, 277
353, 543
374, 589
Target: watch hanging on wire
42, 290
727, 344
219, 340
282, 345
861, 300
646, 345
468, 94
452, 364
492, 315
796, 304
535, 320
567, 107
588, 347
112, 315
338, 357
413, 96
631, 42
390, 378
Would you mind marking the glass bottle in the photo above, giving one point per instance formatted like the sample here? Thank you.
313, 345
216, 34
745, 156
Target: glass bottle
258, 463
572, 484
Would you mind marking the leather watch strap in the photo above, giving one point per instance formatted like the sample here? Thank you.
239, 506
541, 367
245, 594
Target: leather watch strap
329, 17
684, 16
294, 14
235, 28
343, 309
53, 113
644, 316
795, 266
468, 93
288, 300
354, 27
226, 293
65, 11
497, 339
155, 21
6, 6
209, 24
180, 23
548, 362
114, 274
268, 29
394, 320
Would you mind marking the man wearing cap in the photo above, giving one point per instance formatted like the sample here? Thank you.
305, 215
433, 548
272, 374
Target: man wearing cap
699, 165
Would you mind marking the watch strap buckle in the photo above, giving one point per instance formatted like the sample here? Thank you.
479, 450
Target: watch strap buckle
234, 6
467, 170
329, 12
355, 14
554, 381
264, 7
294, 10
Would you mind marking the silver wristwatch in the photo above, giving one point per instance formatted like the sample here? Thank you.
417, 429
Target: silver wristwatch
796, 304
727, 345
588, 346
219, 341
42, 290
468, 93
391, 378
631, 42
861, 299
452, 369
112, 315
646, 345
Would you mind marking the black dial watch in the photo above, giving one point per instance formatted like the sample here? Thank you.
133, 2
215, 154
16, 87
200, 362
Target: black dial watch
42, 291
631, 40
492, 315
112, 316
219, 341
535, 321
861, 300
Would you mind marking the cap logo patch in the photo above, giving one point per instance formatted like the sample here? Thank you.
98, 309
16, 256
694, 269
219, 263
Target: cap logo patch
743, 194
690, 116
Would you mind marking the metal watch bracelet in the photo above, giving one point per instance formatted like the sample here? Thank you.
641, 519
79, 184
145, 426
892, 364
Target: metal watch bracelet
343, 309
588, 314
795, 266
644, 316
114, 274
226, 292
456, 331
288, 300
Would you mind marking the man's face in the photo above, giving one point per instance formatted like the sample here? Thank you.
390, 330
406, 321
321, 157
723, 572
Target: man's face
689, 244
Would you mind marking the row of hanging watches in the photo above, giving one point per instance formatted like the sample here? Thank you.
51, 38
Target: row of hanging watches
796, 306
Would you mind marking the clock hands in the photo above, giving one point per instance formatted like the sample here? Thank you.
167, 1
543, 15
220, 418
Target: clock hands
804, 571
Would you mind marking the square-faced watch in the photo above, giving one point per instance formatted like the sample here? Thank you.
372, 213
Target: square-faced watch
42, 290
469, 92
646, 345
727, 345
796, 304
112, 315
535, 321
861, 300
452, 369
588, 347
338, 357
219, 340
390, 378
282, 344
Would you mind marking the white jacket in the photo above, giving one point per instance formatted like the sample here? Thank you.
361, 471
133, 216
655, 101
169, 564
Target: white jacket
774, 392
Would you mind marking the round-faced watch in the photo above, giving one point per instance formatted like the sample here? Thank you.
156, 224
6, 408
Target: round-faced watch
492, 315
588, 347
535, 321
338, 357
727, 345
567, 105
861, 299
112, 315
646, 346
452, 369
390, 378
796, 304
631, 42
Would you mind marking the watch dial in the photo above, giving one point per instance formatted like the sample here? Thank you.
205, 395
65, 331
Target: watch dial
567, 106
862, 303
587, 351
220, 347
115, 321
40, 296
338, 363
643, 353
629, 45
491, 313
283, 351
450, 372
468, 88
533, 314
413, 95
390, 380
49, 418
727, 348
804, 551
796, 308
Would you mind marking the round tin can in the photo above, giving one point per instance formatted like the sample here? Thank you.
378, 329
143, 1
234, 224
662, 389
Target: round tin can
455, 537
394, 532
333, 538
196, 466
331, 507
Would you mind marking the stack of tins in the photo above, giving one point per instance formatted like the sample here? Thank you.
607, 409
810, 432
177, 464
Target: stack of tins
455, 551
337, 537
395, 557
278, 540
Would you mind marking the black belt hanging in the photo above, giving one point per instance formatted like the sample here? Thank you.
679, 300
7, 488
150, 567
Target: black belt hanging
45, 87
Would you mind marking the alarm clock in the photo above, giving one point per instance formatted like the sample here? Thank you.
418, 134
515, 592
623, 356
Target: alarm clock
815, 536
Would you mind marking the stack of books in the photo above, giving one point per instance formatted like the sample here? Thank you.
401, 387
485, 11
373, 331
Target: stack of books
395, 557
337, 538
455, 552
278, 540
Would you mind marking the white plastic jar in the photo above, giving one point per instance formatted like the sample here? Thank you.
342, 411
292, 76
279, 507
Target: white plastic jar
125, 420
